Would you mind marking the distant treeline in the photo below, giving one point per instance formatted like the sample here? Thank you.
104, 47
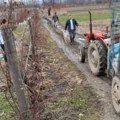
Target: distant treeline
52, 2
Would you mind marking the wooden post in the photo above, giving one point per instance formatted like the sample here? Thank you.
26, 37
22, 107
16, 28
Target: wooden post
15, 74
32, 38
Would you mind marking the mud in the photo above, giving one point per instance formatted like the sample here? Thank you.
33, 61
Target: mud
100, 85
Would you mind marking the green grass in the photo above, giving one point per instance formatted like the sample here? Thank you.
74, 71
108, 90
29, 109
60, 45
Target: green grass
19, 29
77, 103
84, 16
6, 112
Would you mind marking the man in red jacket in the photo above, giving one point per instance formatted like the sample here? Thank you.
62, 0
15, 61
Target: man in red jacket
71, 25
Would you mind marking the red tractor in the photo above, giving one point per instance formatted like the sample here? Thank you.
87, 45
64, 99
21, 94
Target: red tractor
97, 44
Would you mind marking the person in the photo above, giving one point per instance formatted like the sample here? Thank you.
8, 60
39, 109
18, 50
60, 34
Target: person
71, 25
55, 19
49, 11
3, 22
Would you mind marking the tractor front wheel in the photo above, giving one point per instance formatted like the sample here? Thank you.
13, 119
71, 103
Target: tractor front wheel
97, 57
116, 93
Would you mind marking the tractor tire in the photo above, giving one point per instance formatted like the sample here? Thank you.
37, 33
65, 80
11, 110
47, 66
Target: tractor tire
116, 93
81, 53
97, 57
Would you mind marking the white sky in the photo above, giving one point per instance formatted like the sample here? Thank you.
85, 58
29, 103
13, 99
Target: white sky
24, 0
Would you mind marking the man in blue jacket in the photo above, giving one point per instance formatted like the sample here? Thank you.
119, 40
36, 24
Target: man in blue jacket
71, 25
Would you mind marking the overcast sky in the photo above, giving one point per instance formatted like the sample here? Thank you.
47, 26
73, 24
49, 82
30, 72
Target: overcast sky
24, 0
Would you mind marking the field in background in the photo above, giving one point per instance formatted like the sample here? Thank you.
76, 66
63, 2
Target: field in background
84, 16
101, 19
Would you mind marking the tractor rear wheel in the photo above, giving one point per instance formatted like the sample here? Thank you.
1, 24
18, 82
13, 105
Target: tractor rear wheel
97, 57
116, 93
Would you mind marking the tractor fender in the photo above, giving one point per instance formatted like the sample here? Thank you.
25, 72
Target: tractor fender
104, 41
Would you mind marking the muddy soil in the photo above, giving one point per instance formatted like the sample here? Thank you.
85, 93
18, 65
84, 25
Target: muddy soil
68, 95
98, 85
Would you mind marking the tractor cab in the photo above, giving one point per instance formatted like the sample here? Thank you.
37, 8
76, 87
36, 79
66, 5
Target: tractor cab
114, 54
114, 49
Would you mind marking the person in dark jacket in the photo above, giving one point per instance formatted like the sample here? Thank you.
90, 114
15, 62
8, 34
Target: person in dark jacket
55, 19
71, 25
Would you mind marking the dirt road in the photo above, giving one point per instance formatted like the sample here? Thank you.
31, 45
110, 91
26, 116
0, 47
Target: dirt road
101, 85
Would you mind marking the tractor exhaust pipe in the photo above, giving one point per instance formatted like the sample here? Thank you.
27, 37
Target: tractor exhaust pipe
119, 60
91, 33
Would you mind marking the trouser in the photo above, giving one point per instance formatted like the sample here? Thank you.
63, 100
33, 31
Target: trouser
4, 55
55, 23
72, 35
